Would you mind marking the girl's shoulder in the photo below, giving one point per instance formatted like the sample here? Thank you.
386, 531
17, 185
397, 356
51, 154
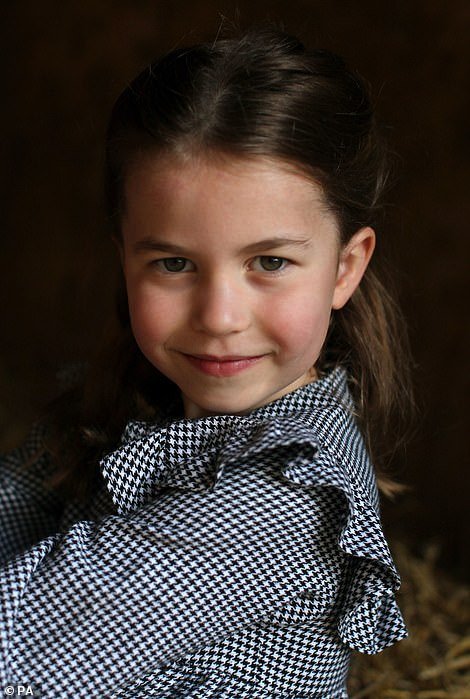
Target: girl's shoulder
29, 509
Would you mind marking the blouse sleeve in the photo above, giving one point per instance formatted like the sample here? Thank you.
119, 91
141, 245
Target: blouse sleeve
277, 570
29, 511
105, 601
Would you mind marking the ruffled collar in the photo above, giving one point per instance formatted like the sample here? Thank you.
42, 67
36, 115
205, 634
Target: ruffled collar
317, 445
191, 454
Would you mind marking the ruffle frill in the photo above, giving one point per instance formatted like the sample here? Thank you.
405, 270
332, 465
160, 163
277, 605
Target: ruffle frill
370, 619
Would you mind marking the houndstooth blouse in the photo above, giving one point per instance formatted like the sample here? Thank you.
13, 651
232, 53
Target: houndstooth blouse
228, 557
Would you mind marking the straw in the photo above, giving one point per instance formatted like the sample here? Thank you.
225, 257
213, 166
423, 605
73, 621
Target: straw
434, 662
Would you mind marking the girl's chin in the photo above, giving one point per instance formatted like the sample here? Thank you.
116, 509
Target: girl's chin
195, 410
235, 401
202, 406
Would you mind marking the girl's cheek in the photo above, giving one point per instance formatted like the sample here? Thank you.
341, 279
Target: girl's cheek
299, 326
294, 312
151, 314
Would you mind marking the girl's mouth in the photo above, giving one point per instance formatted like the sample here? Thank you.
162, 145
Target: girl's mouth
222, 366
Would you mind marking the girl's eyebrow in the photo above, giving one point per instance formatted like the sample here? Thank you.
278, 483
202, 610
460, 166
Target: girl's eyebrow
149, 244
273, 243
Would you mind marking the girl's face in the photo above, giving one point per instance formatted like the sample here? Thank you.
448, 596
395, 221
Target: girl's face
232, 269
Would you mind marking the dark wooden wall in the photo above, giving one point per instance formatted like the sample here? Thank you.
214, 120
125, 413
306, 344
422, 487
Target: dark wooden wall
64, 65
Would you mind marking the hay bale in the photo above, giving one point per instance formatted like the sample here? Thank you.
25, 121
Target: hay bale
434, 662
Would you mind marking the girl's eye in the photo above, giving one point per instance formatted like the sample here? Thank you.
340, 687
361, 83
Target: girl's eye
270, 264
174, 264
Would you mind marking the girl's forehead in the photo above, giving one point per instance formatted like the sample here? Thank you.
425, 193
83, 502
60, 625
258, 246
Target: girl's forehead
222, 200
225, 177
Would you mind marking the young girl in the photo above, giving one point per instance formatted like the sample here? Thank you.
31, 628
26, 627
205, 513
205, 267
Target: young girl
199, 517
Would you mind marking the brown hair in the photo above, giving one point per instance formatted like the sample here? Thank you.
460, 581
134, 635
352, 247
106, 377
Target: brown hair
261, 93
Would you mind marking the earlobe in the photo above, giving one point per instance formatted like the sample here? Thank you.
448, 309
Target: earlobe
353, 261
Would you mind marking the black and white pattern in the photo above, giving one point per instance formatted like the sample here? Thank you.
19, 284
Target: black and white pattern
227, 557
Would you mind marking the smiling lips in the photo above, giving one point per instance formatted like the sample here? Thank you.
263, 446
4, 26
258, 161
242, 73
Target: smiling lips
222, 366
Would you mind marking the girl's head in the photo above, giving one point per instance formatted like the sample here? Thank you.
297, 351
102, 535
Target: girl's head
232, 270
215, 154
259, 95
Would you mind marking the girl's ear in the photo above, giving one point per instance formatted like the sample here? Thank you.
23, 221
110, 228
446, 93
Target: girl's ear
353, 261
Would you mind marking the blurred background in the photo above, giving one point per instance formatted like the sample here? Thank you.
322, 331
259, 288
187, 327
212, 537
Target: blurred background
65, 63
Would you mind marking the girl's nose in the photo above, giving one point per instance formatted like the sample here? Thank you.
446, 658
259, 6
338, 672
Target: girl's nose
220, 307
